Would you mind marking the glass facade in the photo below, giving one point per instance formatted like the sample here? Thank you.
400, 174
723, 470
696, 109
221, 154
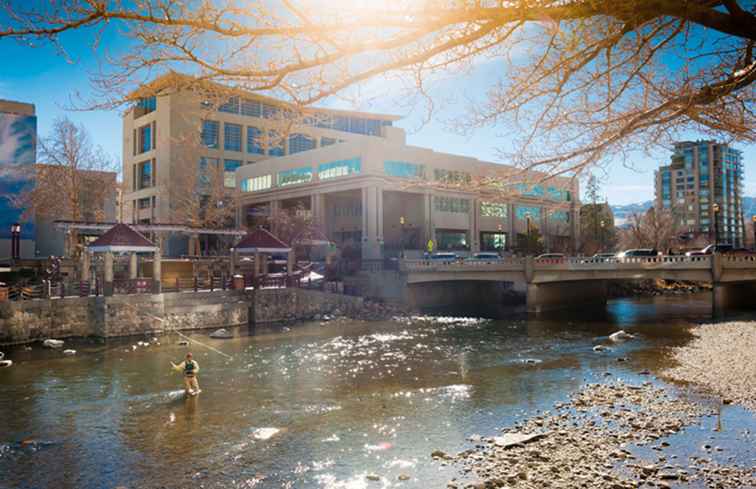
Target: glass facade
144, 175
295, 176
275, 144
339, 168
232, 137
451, 176
144, 138
257, 184
18, 154
255, 144
451, 204
451, 239
403, 169
147, 104
560, 216
206, 167
231, 106
209, 136
324, 141
493, 241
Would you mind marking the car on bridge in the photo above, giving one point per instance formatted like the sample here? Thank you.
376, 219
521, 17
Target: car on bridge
638, 253
723, 248
485, 256
445, 256
604, 257
552, 257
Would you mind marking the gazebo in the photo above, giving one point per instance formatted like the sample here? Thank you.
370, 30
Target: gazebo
262, 242
121, 238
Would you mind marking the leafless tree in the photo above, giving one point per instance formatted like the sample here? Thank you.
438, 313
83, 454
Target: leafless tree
655, 229
581, 80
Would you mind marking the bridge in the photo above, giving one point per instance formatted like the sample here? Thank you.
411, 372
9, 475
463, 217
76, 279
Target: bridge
557, 283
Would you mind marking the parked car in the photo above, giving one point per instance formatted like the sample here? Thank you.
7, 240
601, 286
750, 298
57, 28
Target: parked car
638, 252
711, 249
485, 256
552, 257
445, 256
604, 256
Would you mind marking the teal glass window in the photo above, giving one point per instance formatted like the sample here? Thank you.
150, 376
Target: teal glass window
147, 104
229, 172
523, 212
232, 136
209, 136
231, 106
530, 191
403, 169
493, 209
206, 167
295, 176
300, 142
275, 144
255, 141
560, 216
251, 108
341, 168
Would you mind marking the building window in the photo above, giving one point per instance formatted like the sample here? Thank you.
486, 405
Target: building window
229, 172
493, 209
231, 106
325, 141
144, 203
275, 144
251, 108
560, 216
493, 241
144, 175
530, 191
232, 137
147, 104
295, 176
450, 240
207, 166
210, 130
255, 141
270, 111
403, 169
451, 176
451, 204
256, 184
144, 142
522, 213
339, 168
300, 142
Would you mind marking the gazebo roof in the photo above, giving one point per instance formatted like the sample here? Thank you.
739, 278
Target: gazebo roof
120, 238
261, 241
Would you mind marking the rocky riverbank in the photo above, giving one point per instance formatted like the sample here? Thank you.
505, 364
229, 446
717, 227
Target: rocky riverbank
589, 442
721, 359
650, 288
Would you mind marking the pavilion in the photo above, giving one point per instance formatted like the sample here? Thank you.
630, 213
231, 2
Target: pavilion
121, 238
262, 243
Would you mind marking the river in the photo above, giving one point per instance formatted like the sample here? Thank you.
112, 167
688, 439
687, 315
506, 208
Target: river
311, 405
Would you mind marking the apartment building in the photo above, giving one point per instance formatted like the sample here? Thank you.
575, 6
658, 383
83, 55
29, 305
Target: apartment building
175, 135
703, 187
387, 198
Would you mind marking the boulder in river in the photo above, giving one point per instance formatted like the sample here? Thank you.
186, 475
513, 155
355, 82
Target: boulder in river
621, 335
69, 353
6, 363
512, 439
222, 334
53, 343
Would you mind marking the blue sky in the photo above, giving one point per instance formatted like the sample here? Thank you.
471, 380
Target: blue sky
44, 77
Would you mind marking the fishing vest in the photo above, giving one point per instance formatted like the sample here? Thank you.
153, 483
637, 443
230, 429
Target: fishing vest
189, 368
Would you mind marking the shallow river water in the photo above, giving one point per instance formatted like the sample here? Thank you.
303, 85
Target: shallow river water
314, 406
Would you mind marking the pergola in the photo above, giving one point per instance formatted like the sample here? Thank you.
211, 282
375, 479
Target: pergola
262, 242
121, 238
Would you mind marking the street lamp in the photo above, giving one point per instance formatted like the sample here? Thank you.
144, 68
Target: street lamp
715, 207
402, 221
15, 241
602, 243
753, 221
527, 243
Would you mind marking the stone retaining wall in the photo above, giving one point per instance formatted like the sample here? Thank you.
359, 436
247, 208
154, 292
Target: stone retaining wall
126, 315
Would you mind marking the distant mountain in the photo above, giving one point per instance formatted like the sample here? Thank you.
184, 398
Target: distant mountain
623, 212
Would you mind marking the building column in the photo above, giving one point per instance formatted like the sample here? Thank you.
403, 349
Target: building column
317, 207
258, 265
133, 264
235, 261
370, 212
85, 266
108, 285
474, 226
275, 208
545, 211
157, 272
290, 263
511, 237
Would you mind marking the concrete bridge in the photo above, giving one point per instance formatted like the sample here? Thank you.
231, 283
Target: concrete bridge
569, 282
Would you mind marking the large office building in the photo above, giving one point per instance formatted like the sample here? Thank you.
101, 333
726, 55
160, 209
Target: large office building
703, 187
18, 153
351, 172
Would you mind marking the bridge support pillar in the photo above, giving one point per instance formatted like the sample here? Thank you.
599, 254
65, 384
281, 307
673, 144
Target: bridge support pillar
565, 295
735, 295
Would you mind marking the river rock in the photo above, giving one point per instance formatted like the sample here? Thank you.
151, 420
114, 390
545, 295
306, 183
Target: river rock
403, 477
183, 343
6, 363
53, 343
372, 477
69, 353
621, 335
512, 439
599, 348
222, 334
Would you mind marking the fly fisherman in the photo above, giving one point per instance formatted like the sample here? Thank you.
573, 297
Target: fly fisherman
190, 369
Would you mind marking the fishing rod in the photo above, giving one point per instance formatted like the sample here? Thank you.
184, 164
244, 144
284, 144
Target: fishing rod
183, 335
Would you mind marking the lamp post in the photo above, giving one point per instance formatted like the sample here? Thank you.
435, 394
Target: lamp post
402, 221
715, 207
15, 241
527, 243
603, 235
753, 221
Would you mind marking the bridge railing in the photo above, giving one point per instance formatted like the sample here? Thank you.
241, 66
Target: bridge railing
504, 264
579, 263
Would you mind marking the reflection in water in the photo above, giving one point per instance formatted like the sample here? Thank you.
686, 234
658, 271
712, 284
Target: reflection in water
316, 406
